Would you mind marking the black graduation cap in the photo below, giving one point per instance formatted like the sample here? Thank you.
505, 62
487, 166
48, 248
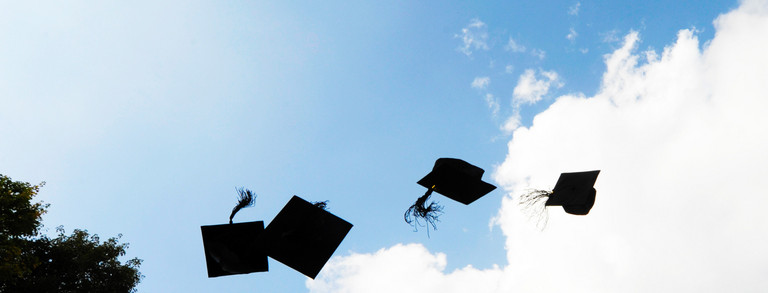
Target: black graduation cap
575, 192
304, 236
231, 249
453, 178
457, 180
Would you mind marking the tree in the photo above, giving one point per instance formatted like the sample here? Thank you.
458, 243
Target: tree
19, 220
76, 263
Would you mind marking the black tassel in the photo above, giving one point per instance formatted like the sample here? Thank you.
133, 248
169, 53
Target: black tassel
321, 204
246, 199
533, 205
420, 210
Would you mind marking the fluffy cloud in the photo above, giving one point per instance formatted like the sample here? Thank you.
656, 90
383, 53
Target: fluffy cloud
383, 271
514, 47
513, 122
572, 34
481, 82
574, 10
681, 140
541, 54
473, 37
611, 36
530, 90
493, 104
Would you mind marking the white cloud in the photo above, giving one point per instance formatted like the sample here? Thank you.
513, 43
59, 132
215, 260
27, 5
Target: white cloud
509, 69
681, 142
574, 10
513, 122
530, 90
493, 104
473, 37
481, 82
572, 34
539, 53
383, 271
611, 36
514, 47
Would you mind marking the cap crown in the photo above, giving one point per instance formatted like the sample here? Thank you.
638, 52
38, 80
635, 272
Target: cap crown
303, 236
575, 192
232, 249
457, 180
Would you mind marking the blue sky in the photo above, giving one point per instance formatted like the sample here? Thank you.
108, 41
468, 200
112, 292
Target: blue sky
143, 118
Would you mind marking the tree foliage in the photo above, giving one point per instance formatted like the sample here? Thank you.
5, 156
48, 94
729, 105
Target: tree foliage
67, 263
20, 219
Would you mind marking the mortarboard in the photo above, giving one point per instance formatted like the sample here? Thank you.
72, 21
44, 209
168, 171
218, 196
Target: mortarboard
304, 236
457, 180
575, 192
231, 249
453, 178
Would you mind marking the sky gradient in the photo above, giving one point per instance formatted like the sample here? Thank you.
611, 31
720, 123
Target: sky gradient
143, 118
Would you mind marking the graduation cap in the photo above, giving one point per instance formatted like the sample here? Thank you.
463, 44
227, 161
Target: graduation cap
457, 180
232, 249
304, 236
575, 192
453, 178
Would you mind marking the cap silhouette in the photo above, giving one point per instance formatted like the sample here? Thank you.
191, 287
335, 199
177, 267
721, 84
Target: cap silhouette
453, 178
575, 192
233, 248
304, 236
457, 180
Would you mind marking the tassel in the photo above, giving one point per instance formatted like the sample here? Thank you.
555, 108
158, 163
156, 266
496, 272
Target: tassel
321, 204
420, 210
246, 199
533, 205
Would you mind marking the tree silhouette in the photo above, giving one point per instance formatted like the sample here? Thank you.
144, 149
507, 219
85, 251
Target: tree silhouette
76, 263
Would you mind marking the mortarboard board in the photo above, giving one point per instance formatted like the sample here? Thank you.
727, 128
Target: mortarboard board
231, 249
575, 192
453, 178
304, 236
457, 180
